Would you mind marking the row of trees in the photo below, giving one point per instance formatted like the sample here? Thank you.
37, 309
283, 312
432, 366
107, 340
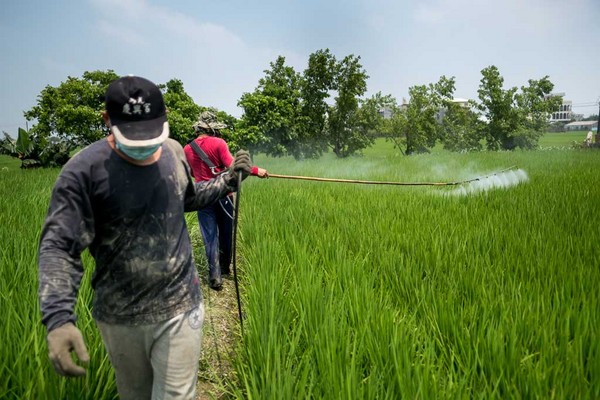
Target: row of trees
68, 117
306, 114
288, 113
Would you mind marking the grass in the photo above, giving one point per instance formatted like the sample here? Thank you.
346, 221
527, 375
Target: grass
562, 139
9, 163
27, 373
370, 292
387, 292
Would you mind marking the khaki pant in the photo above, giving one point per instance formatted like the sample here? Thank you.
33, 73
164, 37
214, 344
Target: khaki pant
158, 361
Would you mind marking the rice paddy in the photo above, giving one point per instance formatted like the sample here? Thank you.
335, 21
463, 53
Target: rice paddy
370, 292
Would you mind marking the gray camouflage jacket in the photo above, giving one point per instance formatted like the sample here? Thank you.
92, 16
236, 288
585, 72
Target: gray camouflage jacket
131, 218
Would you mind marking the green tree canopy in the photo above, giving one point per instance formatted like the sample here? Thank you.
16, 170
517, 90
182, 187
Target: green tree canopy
72, 110
344, 135
181, 109
461, 129
414, 126
288, 113
370, 117
514, 119
270, 112
318, 79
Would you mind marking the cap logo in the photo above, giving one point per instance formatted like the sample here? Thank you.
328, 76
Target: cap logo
136, 106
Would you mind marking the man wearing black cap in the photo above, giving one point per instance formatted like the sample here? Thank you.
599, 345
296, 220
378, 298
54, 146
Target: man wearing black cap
124, 198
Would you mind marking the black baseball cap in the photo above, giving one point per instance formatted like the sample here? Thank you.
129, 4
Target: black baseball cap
137, 112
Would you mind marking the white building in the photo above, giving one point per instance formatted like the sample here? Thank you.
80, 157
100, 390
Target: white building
464, 103
582, 126
565, 112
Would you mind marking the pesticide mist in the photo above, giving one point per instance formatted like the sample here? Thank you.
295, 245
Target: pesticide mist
501, 180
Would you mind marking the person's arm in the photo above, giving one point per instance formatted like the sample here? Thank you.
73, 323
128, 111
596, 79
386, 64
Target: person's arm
227, 160
256, 171
67, 230
187, 150
203, 193
260, 172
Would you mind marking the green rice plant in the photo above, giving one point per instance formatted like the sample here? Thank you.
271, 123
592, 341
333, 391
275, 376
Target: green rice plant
561, 139
27, 372
370, 292
395, 292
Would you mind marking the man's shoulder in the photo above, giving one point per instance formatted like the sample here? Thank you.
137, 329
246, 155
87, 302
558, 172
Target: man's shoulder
173, 145
81, 165
90, 154
214, 142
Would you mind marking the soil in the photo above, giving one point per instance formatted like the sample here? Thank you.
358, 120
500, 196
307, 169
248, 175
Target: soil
221, 334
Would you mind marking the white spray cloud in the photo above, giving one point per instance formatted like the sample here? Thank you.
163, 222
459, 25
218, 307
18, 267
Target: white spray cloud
500, 180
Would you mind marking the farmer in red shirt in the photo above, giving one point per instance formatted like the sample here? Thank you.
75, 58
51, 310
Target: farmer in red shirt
209, 156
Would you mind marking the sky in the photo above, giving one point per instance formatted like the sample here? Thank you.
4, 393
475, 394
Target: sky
220, 49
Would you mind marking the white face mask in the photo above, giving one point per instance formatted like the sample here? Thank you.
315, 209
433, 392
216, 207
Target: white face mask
137, 153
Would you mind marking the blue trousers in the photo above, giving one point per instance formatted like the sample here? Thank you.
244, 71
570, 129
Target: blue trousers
216, 224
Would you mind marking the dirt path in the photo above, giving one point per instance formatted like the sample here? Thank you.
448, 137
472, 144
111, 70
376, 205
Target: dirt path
221, 329
221, 332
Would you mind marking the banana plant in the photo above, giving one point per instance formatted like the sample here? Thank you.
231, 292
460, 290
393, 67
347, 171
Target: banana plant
34, 151
24, 145
8, 145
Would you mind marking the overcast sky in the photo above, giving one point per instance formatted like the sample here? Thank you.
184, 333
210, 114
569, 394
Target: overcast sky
219, 49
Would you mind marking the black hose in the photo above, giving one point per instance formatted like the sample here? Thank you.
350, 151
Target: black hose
234, 250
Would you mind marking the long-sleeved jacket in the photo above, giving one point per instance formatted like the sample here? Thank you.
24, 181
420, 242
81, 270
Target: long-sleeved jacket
131, 218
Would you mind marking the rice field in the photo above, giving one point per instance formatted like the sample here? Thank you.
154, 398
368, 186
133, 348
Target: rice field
370, 292
400, 292
25, 369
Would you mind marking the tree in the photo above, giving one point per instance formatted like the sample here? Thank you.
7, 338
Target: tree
370, 115
514, 119
315, 85
343, 135
288, 113
461, 129
182, 111
69, 115
414, 128
71, 111
498, 108
270, 112
535, 104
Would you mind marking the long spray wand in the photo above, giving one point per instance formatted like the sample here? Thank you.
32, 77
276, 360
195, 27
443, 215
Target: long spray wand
311, 178
484, 180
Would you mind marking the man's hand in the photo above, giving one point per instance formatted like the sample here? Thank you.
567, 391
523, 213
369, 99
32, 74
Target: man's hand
61, 342
241, 165
262, 173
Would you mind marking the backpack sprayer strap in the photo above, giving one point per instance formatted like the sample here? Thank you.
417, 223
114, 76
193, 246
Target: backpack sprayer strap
204, 157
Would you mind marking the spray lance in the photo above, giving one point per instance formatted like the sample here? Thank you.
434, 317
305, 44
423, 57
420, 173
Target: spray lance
501, 178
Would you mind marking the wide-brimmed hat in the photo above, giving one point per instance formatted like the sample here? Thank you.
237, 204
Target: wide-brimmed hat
137, 112
208, 121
